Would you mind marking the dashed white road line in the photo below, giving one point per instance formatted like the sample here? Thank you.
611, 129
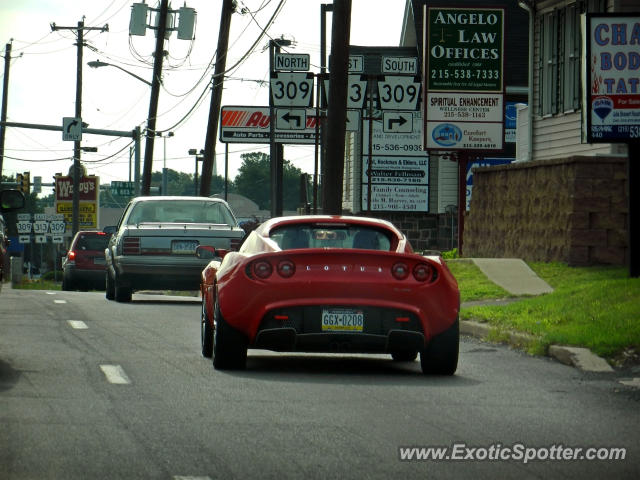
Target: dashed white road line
189, 477
59, 301
77, 324
115, 374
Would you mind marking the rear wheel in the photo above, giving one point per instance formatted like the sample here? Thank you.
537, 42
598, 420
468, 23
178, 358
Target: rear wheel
66, 284
110, 289
440, 356
229, 345
206, 332
122, 291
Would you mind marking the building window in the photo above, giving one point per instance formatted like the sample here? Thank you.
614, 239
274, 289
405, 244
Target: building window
560, 54
549, 63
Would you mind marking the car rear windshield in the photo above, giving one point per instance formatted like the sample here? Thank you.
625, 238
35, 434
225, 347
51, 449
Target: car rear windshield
182, 211
92, 242
331, 236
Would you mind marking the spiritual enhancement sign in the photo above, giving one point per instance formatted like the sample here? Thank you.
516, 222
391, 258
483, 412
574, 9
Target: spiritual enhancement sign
611, 108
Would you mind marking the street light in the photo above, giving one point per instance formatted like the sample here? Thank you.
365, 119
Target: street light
98, 63
165, 181
199, 158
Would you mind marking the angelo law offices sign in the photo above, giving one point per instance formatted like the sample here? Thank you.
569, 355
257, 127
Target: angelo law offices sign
463, 78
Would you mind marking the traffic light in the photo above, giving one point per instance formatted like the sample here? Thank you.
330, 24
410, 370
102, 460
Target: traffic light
19, 181
24, 182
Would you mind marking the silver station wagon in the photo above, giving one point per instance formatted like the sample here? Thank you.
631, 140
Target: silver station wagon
153, 246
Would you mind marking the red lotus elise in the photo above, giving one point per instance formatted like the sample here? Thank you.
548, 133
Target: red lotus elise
329, 284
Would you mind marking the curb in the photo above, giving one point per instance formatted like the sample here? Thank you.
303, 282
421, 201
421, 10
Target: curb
581, 358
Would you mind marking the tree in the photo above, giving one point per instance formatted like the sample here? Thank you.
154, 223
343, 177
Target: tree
254, 181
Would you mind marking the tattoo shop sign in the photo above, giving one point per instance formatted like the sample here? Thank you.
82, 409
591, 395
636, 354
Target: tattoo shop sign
611, 107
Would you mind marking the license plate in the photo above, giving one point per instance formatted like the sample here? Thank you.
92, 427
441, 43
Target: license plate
184, 247
98, 260
341, 320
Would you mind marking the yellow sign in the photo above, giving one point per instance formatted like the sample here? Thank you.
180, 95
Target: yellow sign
87, 215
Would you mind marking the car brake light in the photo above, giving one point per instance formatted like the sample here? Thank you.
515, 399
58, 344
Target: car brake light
262, 269
423, 272
281, 317
286, 269
72, 255
131, 246
400, 271
235, 244
402, 319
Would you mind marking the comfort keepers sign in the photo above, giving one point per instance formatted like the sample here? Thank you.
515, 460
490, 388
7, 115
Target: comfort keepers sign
611, 109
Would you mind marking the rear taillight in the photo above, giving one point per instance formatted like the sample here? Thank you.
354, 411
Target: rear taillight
262, 269
423, 272
235, 243
72, 255
286, 268
400, 271
131, 246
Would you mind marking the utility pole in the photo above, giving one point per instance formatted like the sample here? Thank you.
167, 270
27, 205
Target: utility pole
155, 92
337, 113
75, 222
5, 97
228, 7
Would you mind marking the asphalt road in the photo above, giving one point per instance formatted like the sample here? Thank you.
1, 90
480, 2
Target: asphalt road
91, 389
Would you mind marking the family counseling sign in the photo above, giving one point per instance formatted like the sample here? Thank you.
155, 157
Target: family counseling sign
612, 102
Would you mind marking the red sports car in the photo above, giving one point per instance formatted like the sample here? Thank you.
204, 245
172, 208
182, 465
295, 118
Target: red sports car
329, 284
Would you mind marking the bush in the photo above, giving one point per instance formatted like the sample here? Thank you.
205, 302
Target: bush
51, 275
449, 254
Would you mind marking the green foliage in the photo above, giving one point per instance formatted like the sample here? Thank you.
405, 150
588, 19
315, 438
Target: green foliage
450, 254
254, 181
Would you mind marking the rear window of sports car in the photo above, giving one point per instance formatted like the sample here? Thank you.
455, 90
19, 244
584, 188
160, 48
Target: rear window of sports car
331, 236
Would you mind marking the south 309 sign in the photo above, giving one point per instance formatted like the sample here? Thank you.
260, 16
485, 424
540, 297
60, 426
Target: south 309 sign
611, 110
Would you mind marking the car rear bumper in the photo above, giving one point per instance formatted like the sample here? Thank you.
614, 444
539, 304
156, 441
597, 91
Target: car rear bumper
150, 272
287, 339
95, 275
300, 329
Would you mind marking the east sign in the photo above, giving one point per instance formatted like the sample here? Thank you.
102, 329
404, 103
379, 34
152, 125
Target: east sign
463, 79
612, 91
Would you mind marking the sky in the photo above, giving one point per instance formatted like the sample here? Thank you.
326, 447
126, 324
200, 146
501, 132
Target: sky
42, 78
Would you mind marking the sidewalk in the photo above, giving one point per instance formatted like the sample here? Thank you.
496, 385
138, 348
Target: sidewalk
512, 274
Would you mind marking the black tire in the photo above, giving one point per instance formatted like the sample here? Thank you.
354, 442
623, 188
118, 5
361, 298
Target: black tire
440, 356
66, 284
122, 292
404, 356
206, 332
229, 345
110, 289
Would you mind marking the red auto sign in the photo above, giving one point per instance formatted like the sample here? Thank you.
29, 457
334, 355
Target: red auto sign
252, 125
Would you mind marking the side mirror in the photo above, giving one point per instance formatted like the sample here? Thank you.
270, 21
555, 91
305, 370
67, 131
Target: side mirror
209, 253
11, 200
110, 229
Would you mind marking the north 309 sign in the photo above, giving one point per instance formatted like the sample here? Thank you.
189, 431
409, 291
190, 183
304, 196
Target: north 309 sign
292, 89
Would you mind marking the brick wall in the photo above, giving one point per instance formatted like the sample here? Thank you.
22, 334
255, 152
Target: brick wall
425, 231
572, 210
